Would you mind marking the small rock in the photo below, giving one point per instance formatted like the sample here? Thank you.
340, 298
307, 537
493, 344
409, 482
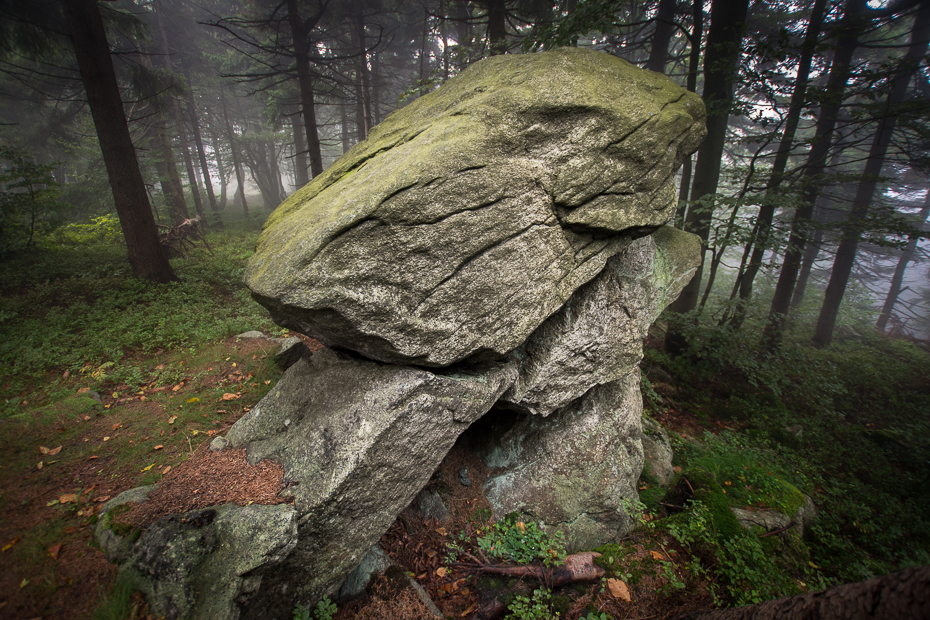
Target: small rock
251, 334
657, 452
292, 349
463, 477
373, 564
218, 443
432, 507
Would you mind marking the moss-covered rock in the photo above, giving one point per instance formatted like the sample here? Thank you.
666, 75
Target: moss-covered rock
472, 214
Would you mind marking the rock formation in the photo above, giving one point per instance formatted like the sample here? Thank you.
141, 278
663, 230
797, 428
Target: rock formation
498, 244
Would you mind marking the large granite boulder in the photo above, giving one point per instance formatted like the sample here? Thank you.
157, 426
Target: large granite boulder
472, 214
499, 243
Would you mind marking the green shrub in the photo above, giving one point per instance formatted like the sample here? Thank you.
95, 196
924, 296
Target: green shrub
515, 541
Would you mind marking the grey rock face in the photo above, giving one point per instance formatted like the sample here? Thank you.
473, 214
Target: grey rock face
358, 440
657, 451
204, 563
572, 470
597, 336
471, 215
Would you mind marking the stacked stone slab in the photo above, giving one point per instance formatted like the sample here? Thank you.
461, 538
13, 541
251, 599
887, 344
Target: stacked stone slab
496, 244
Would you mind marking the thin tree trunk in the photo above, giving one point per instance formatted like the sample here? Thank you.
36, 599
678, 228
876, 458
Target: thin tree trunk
762, 229
344, 124
168, 172
898, 596
201, 153
694, 63
665, 28
847, 42
846, 253
300, 31
224, 179
720, 65
237, 161
179, 117
375, 88
301, 177
811, 251
363, 97
906, 256
89, 39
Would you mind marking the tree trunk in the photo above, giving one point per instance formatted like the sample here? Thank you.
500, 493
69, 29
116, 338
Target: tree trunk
301, 177
224, 179
846, 253
720, 66
766, 216
898, 596
694, 60
362, 92
201, 153
665, 28
168, 172
179, 118
906, 256
300, 32
497, 26
847, 41
344, 124
237, 161
89, 39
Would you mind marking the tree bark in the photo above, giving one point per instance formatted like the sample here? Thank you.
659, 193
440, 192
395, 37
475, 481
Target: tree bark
224, 179
237, 161
898, 596
300, 32
168, 172
908, 255
665, 28
694, 63
497, 26
362, 92
720, 66
846, 253
95, 64
301, 177
766, 216
201, 153
847, 42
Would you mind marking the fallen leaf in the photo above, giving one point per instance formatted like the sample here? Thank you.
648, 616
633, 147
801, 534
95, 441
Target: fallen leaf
103, 499
90, 458
69, 530
618, 589
813, 565
521, 525
142, 398
117, 425
166, 470
83, 390
172, 419
10, 544
40, 465
677, 469
176, 388
470, 609
234, 364
268, 382
54, 502
441, 531
728, 483
87, 417
54, 550
656, 555
145, 469
221, 411
228, 396
442, 571
23, 583
115, 395
643, 488
158, 447
68, 498
193, 400
106, 439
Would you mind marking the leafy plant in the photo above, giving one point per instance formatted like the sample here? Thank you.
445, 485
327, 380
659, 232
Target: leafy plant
537, 607
515, 541
324, 610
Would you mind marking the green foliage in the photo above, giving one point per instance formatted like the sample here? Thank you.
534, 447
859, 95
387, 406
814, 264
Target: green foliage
515, 541
28, 200
537, 607
324, 610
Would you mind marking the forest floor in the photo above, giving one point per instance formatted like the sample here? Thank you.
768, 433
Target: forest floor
112, 383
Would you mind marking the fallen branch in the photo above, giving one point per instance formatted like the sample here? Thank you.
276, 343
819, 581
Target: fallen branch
577, 567
182, 236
